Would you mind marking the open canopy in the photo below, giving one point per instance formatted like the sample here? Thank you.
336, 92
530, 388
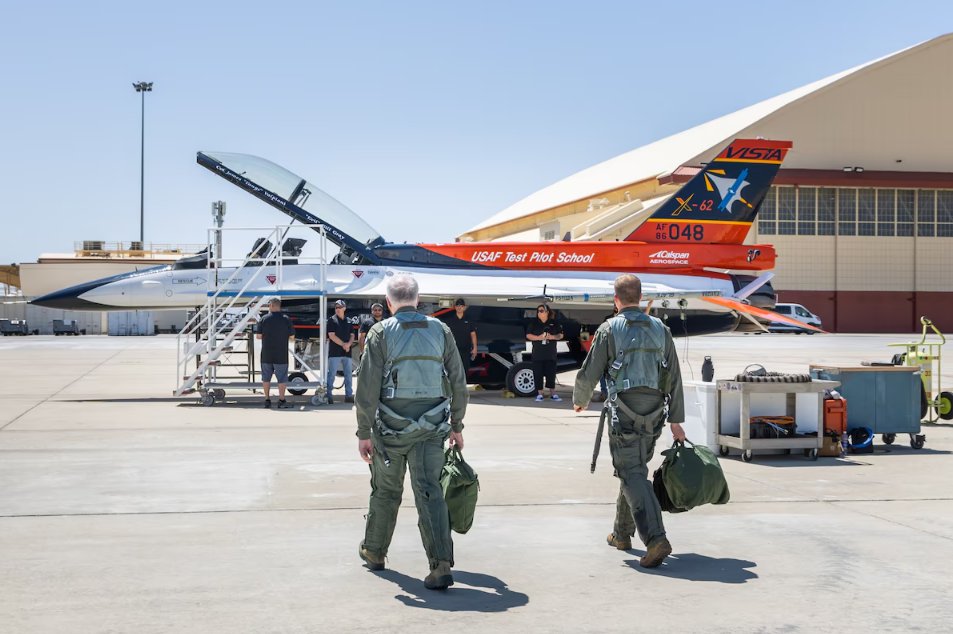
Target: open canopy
295, 196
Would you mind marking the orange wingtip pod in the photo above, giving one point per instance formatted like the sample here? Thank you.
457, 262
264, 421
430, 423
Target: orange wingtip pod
755, 151
768, 315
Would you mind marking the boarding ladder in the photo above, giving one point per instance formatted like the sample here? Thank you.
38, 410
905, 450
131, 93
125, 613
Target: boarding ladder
232, 305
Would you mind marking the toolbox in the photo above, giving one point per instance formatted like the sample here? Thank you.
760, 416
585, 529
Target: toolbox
835, 416
884, 399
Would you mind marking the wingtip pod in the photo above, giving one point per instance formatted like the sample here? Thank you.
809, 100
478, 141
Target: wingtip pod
765, 314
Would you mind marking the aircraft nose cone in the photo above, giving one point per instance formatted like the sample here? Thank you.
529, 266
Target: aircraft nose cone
69, 298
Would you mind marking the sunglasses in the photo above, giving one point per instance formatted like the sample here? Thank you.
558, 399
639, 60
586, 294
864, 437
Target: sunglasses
541, 310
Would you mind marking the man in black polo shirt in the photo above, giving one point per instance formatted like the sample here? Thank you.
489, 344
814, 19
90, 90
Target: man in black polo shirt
464, 333
340, 340
275, 330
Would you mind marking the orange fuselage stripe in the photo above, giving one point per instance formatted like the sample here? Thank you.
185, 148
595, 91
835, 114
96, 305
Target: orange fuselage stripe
611, 256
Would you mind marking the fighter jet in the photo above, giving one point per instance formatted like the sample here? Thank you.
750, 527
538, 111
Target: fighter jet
688, 254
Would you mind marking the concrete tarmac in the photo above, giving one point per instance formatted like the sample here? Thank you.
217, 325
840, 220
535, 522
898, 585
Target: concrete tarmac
123, 509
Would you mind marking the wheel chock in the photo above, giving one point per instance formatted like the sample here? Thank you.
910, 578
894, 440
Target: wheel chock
508, 394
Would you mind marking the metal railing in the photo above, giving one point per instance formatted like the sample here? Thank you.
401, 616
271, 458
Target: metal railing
234, 302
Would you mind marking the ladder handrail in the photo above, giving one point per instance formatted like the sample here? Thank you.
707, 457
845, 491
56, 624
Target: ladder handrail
210, 341
211, 311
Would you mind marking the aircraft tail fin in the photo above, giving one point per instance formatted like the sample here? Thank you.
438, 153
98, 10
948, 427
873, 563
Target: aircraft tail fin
719, 204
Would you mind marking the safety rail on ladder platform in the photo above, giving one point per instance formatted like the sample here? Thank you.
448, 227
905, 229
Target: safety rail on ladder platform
216, 330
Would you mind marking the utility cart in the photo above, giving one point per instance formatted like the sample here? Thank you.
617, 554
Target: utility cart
738, 401
925, 355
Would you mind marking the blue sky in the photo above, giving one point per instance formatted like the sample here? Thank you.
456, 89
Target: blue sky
423, 117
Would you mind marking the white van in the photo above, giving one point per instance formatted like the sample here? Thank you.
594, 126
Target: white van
794, 311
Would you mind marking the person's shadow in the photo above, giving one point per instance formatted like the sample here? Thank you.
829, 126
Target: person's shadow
483, 594
695, 567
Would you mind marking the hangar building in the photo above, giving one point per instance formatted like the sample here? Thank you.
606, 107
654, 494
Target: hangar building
861, 213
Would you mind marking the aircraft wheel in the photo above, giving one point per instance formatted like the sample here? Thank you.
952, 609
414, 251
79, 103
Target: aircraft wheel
520, 379
944, 406
294, 378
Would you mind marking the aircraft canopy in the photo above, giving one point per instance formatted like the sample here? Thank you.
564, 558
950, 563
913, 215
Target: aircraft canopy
298, 192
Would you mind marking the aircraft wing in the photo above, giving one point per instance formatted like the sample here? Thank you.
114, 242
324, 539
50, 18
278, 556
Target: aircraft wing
769, 315
565, 288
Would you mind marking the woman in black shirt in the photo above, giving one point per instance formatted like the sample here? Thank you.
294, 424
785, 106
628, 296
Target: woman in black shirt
544, 332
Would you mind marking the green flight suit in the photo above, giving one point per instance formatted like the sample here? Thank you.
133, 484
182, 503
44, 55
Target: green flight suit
422, 450
633, 443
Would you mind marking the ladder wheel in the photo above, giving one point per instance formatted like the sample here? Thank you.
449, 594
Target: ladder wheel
208, 400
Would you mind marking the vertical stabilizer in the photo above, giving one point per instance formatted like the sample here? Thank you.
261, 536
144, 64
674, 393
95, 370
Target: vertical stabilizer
718, 205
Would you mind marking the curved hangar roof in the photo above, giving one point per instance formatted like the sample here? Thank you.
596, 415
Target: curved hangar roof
836, 121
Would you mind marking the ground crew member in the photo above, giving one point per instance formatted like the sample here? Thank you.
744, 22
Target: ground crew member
464, 333
377, 312
544, 332
275, 330
644, 382
411, 397
340, 341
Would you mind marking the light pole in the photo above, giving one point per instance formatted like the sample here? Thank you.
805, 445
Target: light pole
142, 87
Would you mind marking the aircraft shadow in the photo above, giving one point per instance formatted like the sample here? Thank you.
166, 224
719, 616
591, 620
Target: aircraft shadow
484, 593
695, 567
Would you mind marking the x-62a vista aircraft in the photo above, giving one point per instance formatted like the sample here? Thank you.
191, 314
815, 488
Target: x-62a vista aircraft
689, 254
